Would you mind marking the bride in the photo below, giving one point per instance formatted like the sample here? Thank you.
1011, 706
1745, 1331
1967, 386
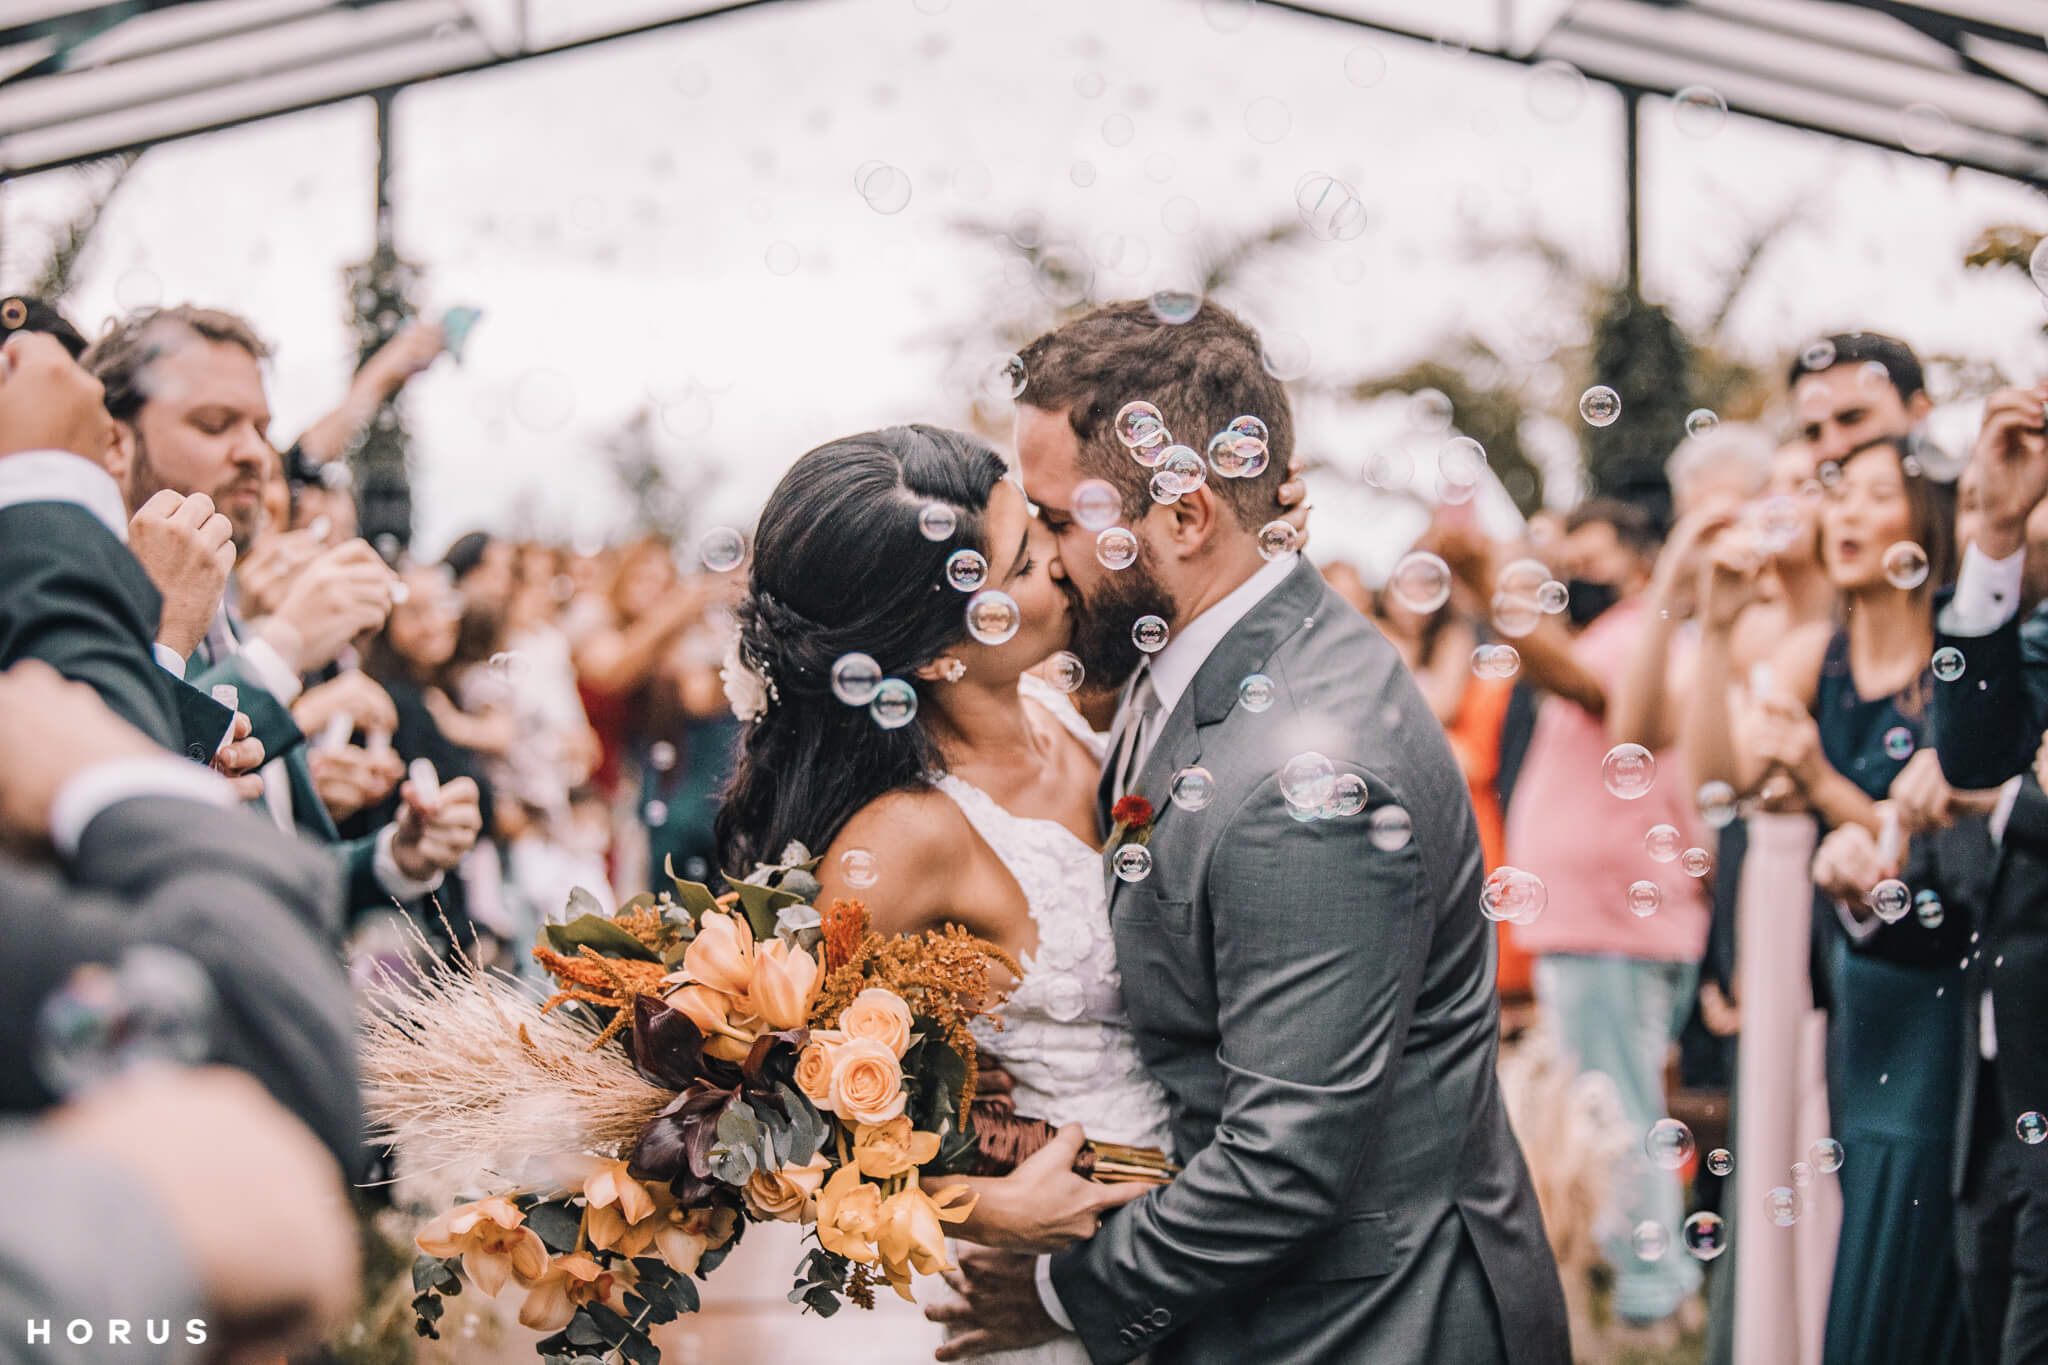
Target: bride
980, 810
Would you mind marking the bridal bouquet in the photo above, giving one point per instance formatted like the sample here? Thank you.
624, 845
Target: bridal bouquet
704, 1062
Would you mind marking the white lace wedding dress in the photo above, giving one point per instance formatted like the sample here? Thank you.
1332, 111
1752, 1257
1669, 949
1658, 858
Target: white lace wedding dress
1066, 1039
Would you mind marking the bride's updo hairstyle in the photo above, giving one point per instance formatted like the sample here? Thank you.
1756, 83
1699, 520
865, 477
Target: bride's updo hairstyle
843, 564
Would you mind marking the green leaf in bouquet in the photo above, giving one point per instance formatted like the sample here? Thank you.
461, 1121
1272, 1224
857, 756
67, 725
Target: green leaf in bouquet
957, 1148
710, 1261
799, 882
761, 904
583, 1331
582, 903
650, 1312
598, 933
733, 1165
640, 1350
427, 1309
428, 1272
633, 905
695, 896
807, 1127
610, 1325
940, 1072
683, 1294
557, 1224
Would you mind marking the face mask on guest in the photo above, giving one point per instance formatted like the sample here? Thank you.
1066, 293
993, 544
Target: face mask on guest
1588, 599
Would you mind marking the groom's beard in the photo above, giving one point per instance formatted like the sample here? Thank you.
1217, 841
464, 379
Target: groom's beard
1103, 620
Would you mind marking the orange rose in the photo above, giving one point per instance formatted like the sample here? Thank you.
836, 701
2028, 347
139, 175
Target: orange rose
885, 1149
722, 954
728, 1035
849, 1216
814, 1067
880, 1015
785, 983
785, 1195
867, 1082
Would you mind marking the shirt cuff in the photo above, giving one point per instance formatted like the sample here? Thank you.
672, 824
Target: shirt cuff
1049, 1297
1987, 593
395, 883
82, 798
1858, 930
169, 660
275, 676
2001, 814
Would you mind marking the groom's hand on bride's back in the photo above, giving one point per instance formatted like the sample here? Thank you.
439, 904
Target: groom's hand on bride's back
1293, 496
1042, 1205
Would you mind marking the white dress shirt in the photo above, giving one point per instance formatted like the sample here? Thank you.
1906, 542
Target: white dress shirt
84, 796
1172, 672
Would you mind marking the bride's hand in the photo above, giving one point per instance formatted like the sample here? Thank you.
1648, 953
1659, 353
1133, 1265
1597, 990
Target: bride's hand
1042, 1205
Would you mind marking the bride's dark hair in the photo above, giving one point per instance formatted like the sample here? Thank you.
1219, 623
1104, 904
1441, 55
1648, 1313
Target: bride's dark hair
842, 564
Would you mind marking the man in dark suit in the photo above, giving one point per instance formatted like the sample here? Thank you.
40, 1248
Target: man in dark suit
157, 880
77, 597
1311, 983
185, 389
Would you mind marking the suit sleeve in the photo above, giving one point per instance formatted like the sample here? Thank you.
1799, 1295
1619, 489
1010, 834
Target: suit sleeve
1988, 722
76, 599
253, 907
270, 720
1320, 940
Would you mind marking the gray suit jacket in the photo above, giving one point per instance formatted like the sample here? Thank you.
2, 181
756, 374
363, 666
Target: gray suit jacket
1322, 1014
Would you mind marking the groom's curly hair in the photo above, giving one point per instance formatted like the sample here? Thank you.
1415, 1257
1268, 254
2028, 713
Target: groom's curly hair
1200, 374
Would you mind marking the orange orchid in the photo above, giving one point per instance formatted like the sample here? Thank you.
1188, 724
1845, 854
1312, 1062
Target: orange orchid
784, 985
722, 954
491, 1238
683, 1235
620, 1216
891, 1147
722, 1019
912, 1234
849, 1215
573, 1281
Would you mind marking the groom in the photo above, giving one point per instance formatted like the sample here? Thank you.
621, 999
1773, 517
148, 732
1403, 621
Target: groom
1316, 995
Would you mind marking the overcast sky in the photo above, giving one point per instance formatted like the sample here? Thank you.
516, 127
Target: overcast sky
621, 214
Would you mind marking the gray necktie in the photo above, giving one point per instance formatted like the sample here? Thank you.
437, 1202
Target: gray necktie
1140, 715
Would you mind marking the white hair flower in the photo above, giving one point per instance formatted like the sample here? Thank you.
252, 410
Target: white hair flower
748, 690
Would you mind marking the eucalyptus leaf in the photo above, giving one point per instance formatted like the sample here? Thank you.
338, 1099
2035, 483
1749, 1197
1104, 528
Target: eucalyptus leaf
614, 1328
683, 1294
557, 1225
582, 903
807, 1127
640, 1351
762, 903
599, 934
801, 883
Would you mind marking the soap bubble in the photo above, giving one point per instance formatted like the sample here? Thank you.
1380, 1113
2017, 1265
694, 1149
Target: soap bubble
966, 570
1461, 462
1429, 410
1716, 802
1133, 863
1256, 693
1421, 582
1802, 1175
1698, 111
1067, 671
1182, 470
1781, 1205
1365, 66
155, 1005
722, 549
1696, 862
1662, 842
1306, 782
1817, 355
1330, 208
1389, 829
1947, 663
1628, 771
1514, 615
1890, 900
1826, 1155
1898, 743
1705, 1235
1927, 908
1553, 597
782, 258
1650, 1240
854, 678
1905, 566
857, 866
1231, 453
1495, 661
993, 617
1700, 421
1720, 1161
1644, 898
1513, 895
1175, 306
1003, 377
661, 755
937, 521
1148, 633
1555, 91
1096, 504
1117, 548
885, 188
2032, 1128
1139, 424
894, 705
1276, 538
1193, 788
1600, 406
1669, 1144
1347, 797
1249, 426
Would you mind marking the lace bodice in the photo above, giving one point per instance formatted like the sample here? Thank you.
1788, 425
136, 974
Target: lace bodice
1066, 1039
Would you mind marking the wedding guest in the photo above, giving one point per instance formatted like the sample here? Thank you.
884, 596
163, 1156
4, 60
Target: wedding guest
1834, 727
1618, 945
1853, 387
185, 389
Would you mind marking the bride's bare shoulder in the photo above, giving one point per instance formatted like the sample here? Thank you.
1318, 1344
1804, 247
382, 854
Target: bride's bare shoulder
900, 854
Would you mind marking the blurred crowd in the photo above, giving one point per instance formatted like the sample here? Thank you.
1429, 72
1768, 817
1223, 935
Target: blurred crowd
1755, 782
1756, 785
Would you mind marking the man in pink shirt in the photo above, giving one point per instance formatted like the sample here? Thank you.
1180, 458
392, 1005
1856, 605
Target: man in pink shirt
1615, 964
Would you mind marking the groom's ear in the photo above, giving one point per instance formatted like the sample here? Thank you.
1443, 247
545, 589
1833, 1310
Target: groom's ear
1194, 522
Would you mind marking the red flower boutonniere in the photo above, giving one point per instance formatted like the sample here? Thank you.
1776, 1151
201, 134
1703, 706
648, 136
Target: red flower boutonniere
1131, 822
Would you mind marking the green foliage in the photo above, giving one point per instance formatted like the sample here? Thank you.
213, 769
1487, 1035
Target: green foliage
598, 933
556, 1222
820, 1280
1640, 353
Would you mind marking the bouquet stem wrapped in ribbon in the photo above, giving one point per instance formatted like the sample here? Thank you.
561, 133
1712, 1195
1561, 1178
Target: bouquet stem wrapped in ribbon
706, 1062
